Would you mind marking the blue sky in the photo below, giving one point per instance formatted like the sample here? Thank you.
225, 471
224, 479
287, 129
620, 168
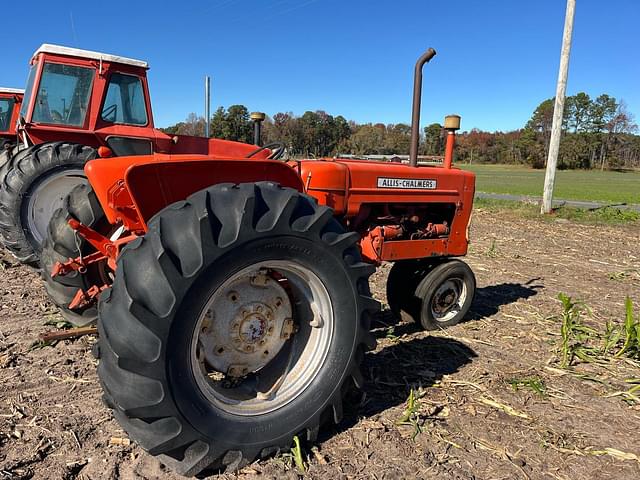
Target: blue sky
497, 59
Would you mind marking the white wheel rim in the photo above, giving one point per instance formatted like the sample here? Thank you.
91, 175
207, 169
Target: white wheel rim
242, 318
48, 196
448, 299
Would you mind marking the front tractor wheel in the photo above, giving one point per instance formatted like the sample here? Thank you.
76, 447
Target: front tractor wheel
63, 243
435, 294
33, 185
237, 322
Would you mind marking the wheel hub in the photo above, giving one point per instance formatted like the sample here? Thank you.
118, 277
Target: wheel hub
47, 197
246, 325
448, 299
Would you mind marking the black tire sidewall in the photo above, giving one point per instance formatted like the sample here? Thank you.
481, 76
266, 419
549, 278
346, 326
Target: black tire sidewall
265, 429
403, 280
21, 176
82, 205
432, 281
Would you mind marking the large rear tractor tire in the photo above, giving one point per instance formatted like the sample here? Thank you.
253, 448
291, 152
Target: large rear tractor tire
435, 293
7, 152
236, 323
33, 185
5, 144
62, 243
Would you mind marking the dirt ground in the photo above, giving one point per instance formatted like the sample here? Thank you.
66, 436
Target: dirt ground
469, 421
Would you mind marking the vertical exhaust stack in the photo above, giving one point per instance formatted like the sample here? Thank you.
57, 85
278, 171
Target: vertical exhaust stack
258, 118
207, 105
417, 100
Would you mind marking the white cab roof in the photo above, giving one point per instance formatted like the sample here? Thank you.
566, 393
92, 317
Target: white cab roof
76, 52
11, 90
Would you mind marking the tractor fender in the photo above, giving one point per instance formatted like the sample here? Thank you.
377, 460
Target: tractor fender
153, 186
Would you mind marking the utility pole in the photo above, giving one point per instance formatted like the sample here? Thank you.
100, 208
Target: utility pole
558, 109
207, 105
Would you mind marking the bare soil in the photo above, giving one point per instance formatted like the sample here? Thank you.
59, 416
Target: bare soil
469, 421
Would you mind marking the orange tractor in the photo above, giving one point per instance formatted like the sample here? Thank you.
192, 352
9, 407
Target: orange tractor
78, 105
233, 296
10, 102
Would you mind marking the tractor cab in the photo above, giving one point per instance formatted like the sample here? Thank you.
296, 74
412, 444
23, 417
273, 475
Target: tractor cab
80, 105
10, 100
91, 98
101, 100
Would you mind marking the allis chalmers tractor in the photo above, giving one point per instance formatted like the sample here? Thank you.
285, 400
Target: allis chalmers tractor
79, 105
10, 101
235, 305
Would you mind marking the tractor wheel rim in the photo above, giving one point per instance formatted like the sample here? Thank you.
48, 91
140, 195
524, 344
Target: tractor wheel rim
48, 196
262, 337
448, 299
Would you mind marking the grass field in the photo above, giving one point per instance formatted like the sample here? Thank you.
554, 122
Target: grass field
529, 210
593, 185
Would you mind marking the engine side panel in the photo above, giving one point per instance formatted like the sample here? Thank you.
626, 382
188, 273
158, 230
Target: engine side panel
371, 194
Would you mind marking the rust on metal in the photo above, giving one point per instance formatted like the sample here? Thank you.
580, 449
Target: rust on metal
67, 334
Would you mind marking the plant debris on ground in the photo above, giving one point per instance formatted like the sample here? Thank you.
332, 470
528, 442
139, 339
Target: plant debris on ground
489, 398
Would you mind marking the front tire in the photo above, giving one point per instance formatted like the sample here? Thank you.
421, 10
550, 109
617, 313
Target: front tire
34, 184
62, 243
402, 281
194, 304
433, 293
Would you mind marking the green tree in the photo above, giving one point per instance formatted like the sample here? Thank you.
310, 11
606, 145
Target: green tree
578, 108
218, 122
237, 125
433, 143
367, 140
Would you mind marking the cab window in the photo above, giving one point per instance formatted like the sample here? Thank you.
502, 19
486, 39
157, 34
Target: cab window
63, 95
6, 107
27, 91
125, 102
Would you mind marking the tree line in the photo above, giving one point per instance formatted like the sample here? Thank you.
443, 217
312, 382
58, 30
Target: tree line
597, 133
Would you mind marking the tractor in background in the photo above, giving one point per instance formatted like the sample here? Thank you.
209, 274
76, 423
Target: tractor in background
233, 296
80, 105
10, 102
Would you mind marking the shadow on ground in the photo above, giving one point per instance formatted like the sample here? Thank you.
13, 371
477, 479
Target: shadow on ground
489, 299
487, 302
391, 372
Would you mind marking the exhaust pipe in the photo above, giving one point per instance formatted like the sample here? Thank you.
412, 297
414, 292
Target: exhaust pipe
417, 97
257, 118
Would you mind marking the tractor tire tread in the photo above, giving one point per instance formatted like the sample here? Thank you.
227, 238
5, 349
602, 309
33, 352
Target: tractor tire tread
154, 272
62, 244
17, 176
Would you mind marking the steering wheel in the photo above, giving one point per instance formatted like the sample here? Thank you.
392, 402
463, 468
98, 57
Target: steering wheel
277, 150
